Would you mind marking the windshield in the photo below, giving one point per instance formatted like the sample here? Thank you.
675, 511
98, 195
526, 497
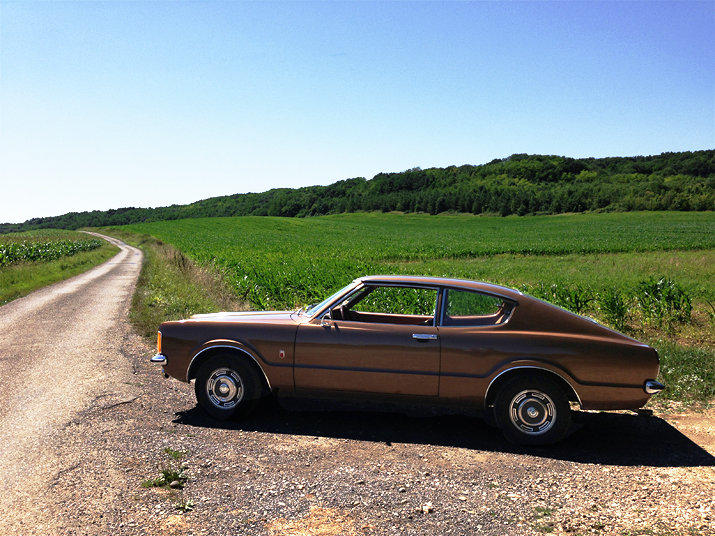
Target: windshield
311, 310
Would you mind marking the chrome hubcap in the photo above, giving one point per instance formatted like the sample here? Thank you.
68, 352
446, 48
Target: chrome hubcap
532, 412
224, 388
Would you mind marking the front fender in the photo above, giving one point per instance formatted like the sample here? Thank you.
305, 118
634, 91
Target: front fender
210, 348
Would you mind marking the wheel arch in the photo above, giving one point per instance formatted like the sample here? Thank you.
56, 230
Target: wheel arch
225, 347
525, 370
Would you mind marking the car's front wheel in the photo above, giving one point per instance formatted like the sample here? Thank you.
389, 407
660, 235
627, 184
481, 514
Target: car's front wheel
227, 387
532, 410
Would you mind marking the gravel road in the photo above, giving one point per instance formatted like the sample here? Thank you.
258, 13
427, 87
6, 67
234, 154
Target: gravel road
310, 468
60, 353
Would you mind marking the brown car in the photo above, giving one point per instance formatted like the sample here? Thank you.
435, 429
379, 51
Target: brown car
428, 340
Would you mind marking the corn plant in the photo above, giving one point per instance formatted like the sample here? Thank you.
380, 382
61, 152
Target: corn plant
662, 301
574, 298
30, 251
615, 306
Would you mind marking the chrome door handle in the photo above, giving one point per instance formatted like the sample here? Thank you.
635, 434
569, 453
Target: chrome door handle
424, 336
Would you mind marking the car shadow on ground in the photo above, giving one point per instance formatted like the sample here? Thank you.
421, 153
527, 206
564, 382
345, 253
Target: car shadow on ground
599, 438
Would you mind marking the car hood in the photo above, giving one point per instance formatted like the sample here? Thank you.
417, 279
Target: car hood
246, 316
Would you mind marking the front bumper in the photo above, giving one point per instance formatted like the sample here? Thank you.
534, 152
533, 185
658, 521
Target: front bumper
159, 359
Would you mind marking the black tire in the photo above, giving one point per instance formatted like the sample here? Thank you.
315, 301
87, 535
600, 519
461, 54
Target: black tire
489, 417
227, 387
532, 410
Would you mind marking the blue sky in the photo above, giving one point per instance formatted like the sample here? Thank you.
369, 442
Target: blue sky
146, 103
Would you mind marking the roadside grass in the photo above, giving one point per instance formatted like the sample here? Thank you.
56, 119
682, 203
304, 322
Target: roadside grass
688, 373
171, 286
18, 280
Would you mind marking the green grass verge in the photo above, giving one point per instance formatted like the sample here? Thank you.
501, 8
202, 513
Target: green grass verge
171, 286
687, 372
18, 280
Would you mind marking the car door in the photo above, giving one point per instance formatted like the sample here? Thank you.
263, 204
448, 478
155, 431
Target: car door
473, 342
372, 349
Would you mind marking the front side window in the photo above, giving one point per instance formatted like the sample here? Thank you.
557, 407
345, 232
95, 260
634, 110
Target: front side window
389, 305
398, 300
465, 308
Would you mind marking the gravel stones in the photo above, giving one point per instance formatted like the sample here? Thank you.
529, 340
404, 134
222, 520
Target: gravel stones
332, 470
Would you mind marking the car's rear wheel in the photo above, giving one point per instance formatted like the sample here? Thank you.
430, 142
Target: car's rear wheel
532, 410
227, 387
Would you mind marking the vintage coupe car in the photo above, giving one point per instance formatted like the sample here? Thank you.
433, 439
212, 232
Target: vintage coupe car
427, 340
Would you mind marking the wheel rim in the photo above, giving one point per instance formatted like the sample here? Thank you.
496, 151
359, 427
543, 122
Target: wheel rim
532, 412
224, 388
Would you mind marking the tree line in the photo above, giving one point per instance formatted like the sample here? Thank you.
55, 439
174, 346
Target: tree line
520, 184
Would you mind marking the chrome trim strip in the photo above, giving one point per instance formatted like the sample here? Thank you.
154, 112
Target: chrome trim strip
158, 359
486, 393
268, 382
653, 387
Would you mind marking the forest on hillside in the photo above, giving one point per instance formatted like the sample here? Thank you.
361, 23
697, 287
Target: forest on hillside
520, 184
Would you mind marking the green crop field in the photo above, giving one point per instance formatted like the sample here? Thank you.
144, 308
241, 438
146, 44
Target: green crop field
33, 259
648, 274
283, 262
45, 245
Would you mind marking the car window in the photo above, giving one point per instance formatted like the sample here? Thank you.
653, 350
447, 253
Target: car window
316, 307
388, 305
398, 301
465, 308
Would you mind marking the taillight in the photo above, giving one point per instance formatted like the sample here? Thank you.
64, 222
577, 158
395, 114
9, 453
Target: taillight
158, 342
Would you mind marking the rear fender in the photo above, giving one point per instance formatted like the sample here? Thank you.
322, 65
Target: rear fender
525, 368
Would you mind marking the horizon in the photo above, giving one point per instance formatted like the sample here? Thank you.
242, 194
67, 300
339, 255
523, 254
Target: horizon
153, 104
199, 201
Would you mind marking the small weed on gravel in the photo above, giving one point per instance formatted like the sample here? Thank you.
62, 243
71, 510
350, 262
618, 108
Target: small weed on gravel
175, 454
541, 512
168, 478
185, 505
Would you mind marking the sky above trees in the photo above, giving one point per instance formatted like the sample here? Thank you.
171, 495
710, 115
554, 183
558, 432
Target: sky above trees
114, 104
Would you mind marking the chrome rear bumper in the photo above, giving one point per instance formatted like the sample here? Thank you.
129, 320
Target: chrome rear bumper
652, 387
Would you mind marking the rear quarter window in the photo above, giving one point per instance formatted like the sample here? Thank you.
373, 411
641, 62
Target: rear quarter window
466, 308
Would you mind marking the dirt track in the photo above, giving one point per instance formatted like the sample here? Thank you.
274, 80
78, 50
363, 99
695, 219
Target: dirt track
60, 353
322, 469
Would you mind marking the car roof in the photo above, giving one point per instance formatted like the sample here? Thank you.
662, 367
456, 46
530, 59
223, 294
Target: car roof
442, 282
